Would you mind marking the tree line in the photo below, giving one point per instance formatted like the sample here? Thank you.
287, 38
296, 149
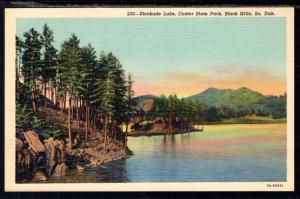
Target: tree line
93, 91
173, 112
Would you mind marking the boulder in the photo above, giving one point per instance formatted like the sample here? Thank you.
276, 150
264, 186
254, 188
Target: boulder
40, 175
61, 170
34, 142
50, 155
44, 135
19, 145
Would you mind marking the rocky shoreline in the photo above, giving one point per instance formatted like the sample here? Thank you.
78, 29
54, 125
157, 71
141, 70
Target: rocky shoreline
39, 158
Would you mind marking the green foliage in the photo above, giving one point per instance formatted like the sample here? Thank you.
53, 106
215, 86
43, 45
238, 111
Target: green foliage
23, 116
171, 106
69, 72
31, 57
109, 93
88, 71
212, 115
276, 106
129, 102
27, 119
75, 72
49, 62
54, 130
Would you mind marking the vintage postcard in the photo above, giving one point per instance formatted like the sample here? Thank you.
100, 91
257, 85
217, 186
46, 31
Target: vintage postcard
149, 99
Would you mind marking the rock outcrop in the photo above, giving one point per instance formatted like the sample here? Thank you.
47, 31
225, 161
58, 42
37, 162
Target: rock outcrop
34, 142
38, 161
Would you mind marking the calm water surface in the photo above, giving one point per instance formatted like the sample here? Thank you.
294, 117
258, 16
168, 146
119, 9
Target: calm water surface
243, 153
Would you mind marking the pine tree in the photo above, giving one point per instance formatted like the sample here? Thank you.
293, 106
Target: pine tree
109, 93
70, 74
119, 88
19, 51
48, 69
172, 106
31, 59
130, 104
89, 67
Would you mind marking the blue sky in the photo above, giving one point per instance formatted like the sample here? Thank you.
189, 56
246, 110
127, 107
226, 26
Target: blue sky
197, 52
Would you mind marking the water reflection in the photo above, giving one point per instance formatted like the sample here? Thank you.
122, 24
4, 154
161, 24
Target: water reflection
175, 139
239, 153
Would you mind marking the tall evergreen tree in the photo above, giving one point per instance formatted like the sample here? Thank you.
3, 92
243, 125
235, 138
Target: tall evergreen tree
70, 74
31, 59
130, 105
89, 72
104, 96
115, 67
48, 69
19, 51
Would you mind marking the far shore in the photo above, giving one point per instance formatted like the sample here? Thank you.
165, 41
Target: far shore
244, 120
157, 133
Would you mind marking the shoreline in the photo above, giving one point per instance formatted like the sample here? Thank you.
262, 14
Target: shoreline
158, 133
150, 133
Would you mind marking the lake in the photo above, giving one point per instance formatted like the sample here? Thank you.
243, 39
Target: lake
221, 153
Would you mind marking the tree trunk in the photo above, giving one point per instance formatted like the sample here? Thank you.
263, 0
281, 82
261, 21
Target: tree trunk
52, 100
105, 132
88, 118
33, 101
81, 117
72, 111
91, 120
65, 101
86, 122
62, 105
45, 94
55, 95
17, 82
94, 120
125, 140
69, 124
181, 125
77, 113
114, 130
18, 76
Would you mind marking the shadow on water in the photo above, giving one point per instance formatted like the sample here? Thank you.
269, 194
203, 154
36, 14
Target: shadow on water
114, 171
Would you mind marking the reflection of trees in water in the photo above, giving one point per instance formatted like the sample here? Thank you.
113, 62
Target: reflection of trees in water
173, 141
164, 145
169, 141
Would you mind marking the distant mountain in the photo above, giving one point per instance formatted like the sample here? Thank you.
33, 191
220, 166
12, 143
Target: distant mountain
233, 98
141, 98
